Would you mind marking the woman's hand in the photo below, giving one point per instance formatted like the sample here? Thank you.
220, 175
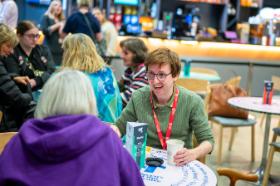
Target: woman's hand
61, 26
116, 129
184, 156
32, 83
22, 79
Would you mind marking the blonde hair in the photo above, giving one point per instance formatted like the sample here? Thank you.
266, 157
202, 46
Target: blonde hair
66, 92
80, 54
7, 35
50, 11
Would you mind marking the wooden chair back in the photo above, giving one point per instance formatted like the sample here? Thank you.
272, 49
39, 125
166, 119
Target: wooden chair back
199, 86
196, 85
235, 175
276, 82
5, 138
1, 116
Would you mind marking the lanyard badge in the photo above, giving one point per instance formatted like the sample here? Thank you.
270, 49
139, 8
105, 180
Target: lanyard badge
170, 122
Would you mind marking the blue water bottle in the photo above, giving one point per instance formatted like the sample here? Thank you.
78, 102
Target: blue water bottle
187, 67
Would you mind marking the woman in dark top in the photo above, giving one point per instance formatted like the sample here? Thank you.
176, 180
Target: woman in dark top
52, 25
13, 103
30, 59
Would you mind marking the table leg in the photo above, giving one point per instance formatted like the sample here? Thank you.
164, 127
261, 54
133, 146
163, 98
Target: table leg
261, 169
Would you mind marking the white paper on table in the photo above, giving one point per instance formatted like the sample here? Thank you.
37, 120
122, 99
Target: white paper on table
192, 174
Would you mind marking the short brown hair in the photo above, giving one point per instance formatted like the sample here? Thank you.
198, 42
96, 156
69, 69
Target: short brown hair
137, 47
162, 56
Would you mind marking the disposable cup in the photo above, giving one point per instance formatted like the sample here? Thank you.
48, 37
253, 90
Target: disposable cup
173, 145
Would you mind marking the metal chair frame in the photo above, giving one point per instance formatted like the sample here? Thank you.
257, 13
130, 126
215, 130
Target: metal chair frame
274, 147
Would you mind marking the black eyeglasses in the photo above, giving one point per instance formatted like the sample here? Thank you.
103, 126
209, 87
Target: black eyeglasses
160, 76
32, 36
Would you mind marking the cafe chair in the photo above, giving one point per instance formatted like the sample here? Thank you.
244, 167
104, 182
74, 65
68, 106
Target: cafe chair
5, 138
274, 147
276, 81
235, 175
233, 123
198, 86
234, 81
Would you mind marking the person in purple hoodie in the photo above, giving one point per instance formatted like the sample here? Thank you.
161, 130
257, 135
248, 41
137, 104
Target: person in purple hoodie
66, 144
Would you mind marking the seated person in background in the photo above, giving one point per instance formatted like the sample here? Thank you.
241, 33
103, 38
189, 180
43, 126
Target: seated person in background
15, 105
80, 54
67, 144
29, 59
108, 30
133, 54
173, 111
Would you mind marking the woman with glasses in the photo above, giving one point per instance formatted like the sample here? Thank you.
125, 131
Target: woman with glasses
13, 103
29, 59
169, 110
133, 54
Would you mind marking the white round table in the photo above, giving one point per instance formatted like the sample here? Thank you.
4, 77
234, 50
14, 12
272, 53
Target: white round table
194, 173
255, 104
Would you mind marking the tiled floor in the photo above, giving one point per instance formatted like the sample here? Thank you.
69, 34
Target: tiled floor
240, 155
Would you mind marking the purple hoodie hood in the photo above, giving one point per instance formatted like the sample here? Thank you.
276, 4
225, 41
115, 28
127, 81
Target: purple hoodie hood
72, 150
55, 139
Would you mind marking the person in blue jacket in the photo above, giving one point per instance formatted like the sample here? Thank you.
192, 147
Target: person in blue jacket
83, 21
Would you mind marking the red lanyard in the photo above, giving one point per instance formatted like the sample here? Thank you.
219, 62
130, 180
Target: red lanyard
170, 123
